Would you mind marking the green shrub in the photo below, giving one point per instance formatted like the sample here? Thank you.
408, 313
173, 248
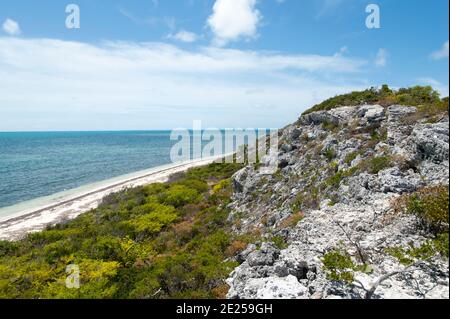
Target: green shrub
430, 204
279, 242
307, 200
7, 248
423, 97
179, 195
196, 184
336, 179
374, 165
400, 254
222, 185
54, 251
430, 248
354, 98
380, 163
330, 154
441, 244
216, 171
153, 221
339, 266
351, 157
329, 126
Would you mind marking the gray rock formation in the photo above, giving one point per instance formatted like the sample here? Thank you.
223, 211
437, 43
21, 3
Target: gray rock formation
342, 169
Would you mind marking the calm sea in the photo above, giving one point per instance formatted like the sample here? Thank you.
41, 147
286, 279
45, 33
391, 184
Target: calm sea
34, 165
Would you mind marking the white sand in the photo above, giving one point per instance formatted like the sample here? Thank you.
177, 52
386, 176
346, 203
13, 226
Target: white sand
17, 225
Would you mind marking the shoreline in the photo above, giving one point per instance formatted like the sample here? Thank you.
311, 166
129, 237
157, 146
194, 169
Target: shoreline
17, 225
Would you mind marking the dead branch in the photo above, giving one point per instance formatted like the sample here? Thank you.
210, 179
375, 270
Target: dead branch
354, 243
370, 292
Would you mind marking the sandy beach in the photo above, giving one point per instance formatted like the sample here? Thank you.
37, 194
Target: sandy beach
17, 225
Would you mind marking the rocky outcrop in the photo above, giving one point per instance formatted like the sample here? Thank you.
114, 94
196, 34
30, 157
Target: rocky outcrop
341, 169
272, 288
325, 229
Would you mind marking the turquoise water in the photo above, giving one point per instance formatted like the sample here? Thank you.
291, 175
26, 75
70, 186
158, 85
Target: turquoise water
34, 165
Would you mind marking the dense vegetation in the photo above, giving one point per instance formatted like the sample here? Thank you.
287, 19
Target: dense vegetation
424, 97
160, 241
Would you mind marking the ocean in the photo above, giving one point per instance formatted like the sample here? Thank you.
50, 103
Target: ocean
35, 165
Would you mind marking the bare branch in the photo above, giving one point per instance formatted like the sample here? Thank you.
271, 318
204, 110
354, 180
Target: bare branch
157, 292
371, 291
359, 250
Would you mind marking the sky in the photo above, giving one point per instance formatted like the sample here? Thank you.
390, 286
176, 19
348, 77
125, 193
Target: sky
160, 64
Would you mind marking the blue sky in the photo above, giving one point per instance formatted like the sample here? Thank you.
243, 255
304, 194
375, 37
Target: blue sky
154, 64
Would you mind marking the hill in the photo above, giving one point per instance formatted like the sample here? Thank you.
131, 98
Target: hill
357, 209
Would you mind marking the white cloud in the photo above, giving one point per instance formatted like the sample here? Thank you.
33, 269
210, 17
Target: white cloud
126, 85
234, 19
342, 51
168, 22
328, 6
381, 58
11, 27
184, 36
442, 53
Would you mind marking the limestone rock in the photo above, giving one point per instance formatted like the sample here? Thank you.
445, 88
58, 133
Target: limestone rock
323, 197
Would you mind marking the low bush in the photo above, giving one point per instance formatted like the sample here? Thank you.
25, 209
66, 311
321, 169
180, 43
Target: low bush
307, 200
425, 98
336, 179
236, 247
430, 205
330, 154
374, 165
339, 266
427, 250
351, 157
152, 222
179, 195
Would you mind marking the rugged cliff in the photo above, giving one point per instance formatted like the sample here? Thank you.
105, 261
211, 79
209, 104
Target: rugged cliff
357, 209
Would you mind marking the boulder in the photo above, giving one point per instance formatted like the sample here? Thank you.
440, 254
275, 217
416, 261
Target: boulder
265, 256
393, 180
274, 288
431, 142
372, 113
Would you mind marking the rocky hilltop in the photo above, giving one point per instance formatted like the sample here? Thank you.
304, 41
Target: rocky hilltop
347, 214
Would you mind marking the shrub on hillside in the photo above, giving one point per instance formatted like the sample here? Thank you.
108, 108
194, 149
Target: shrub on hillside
423, 97
430, 205
179, 195
153, 221
339, 266
374, 165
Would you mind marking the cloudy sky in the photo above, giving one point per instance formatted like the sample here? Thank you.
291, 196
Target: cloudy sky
155, 64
